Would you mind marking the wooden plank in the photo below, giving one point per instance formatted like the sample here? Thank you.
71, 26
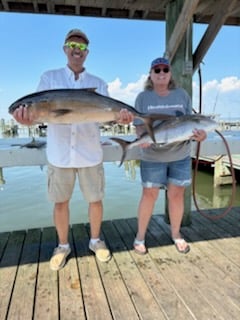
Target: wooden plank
94, 299
22, 302
212, 282
137, 296
235, 161
225, 274
46, 303
9, 268
4, 236
222, 12
230, 269
228, 248
184, 18
170, 262
234, 216
160, 285
142, 297
70, 291
171, 306
113, 281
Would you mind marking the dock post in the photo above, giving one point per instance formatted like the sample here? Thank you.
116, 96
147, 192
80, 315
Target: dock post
222, 174
182, 68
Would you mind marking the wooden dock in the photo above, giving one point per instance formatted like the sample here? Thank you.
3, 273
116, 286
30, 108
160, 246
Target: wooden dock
164, 284
221, 167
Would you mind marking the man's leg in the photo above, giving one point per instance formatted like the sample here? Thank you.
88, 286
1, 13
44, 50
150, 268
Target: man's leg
96, 245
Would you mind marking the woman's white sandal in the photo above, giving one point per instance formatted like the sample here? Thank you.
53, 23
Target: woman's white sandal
180, 241
139, 247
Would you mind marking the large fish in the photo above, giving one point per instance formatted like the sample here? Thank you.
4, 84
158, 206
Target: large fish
77, 105
169, 132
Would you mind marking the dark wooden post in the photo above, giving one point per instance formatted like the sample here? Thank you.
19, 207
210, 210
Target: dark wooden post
182, 73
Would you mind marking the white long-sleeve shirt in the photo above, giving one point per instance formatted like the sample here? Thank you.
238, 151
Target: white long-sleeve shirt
73, 145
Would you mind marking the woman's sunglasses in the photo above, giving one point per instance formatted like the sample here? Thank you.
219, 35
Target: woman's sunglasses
76, 45
158, 70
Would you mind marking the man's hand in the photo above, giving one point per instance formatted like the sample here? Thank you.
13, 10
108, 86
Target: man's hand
22, 116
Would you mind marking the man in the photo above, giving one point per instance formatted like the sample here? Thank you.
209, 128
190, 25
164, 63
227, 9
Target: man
74, 150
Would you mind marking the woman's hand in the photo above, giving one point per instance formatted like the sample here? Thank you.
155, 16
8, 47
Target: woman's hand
22, 116
199, 135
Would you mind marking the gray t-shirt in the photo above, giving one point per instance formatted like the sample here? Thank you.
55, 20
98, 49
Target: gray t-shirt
177, 103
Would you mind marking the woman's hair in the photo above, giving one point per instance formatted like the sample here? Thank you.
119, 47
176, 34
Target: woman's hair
148, 85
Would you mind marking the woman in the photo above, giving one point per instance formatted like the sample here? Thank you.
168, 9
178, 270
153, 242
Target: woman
169, 166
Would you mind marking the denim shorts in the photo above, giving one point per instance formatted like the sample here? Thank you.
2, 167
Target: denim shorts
160, 174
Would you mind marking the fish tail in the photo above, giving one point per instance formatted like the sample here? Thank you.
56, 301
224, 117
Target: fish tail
124, 145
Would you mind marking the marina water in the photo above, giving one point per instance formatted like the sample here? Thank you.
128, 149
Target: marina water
24, 203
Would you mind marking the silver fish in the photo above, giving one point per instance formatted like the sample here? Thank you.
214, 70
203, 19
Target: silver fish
169, 132
34, 144
77, 105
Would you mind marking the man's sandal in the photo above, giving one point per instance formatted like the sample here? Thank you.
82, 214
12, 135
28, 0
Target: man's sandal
179, 244
139, 247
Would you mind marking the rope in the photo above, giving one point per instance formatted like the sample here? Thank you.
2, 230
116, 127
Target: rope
225, 212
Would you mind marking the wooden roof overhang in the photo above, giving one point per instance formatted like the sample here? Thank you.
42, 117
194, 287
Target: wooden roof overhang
215, 13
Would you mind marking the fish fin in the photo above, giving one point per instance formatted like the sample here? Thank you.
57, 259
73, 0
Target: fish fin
89, 89
148, 123
150, 131
160, 116
149, 119
61, 112
124, 145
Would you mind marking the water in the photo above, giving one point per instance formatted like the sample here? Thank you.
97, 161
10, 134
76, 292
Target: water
24, 203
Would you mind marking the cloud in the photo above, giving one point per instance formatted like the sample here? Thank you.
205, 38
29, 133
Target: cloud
227, 84
221, 97
127, 93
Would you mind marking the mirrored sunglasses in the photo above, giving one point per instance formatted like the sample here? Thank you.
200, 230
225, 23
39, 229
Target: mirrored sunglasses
158, 70
76, 45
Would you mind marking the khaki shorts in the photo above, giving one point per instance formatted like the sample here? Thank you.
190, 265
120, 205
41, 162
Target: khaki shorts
61, 183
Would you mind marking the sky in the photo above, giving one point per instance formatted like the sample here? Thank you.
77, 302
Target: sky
120, 52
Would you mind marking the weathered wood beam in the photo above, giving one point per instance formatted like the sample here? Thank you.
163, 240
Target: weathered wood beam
202, 7
35, 6
5, 5
50, 7
77, 8
180, 28
104, 11
223, 10
145, 14
131, 13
